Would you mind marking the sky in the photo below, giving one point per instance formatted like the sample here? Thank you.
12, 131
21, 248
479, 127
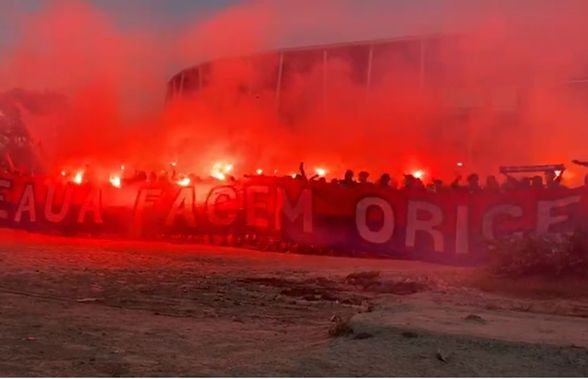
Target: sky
201, 27
171, 16
161, 14
299, 22
183, 33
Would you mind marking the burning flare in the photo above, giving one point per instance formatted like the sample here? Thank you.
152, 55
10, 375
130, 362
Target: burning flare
320, 171
184, 182
78, 177
115, 180
221, 170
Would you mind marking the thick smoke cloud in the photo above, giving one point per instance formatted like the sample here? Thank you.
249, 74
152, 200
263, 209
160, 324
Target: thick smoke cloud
114, 81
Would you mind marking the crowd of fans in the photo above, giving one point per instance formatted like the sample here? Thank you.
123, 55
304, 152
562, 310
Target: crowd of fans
472, 183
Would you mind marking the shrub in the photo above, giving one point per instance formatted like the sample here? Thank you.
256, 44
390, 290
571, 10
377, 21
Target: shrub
553, 255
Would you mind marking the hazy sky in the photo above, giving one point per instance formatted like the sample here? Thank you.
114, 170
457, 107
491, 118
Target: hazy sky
167, 15
297, 22
370, 18
170, 14
292, 23
162, 14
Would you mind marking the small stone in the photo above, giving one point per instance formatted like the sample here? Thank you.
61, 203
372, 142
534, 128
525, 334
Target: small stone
362, 336
341, 328
366, 307
87, 300
334, 318
442, 356
475, 318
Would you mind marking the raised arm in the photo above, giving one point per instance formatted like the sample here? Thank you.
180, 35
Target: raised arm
301, 168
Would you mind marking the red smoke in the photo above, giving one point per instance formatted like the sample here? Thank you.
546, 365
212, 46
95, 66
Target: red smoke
114, 81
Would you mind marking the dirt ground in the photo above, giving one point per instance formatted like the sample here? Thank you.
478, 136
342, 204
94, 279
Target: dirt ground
72, 307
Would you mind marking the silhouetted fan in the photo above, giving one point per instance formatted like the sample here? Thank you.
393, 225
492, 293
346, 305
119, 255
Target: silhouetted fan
18, 151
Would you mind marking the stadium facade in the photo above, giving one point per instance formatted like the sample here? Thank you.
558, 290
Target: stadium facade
426, 63
418, 61
422, 61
